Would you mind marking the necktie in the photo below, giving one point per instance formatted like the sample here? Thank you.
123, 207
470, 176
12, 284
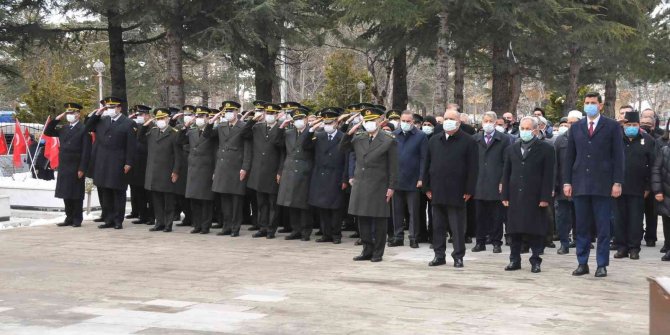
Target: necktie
330, 137
488, 139
590, 128
370, 139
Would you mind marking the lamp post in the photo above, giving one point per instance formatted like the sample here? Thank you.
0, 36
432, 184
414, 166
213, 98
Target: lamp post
99, 67
361, 86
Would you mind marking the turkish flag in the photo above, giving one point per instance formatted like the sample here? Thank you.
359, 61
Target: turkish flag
26, 135
3, 144
51, 150
19, 145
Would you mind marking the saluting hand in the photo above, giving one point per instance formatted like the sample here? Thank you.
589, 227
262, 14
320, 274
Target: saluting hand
215, 117
257, 118
148, 122
284, 124
354, 129
99, 110
178, 115
131, 116
60, 116
352, 117
174, 177
189, 123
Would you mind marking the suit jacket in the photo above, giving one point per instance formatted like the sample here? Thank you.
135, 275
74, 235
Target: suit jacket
640, 153
163, 158
115, 146
200, 163
491, 159
376, 171
451, 168
594, 164
73, 156
329, 171
295, 170
266, 156
232, 155
412, 151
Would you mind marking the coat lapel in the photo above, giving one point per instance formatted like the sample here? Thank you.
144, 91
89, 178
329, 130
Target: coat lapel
162, 135
599, 126
376, 142
335, 141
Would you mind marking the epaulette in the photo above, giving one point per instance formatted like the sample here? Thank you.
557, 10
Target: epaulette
314, 138
175, 130
389, 135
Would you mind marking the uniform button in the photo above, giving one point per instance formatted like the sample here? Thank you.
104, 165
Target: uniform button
587, 170
296, 171
330, 154
589, 142
363, 169
588, 156
262, 153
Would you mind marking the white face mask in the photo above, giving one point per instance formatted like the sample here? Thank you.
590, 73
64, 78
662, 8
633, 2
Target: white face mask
405, 126
356, 120
229, 116
188, 118
161, 124
562, 130
488, 127
370, 126
395, 123
257, 114
299, 124
427, 130
139, 120
500, 129
329, 128
200, 122
70, 118
110, 112
270, 119
450, 125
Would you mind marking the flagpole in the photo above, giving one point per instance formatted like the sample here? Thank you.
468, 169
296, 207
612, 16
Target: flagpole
32, 166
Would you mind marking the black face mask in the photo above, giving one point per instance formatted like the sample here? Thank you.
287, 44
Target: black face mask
646, 128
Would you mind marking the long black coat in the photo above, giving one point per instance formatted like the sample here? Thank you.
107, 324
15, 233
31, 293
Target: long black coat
295, 171
163, 158
73, 156
560, 147
201, 163
491, 160
184, 149
329, 172
527, 180
266, 156
137, 173
115, 147
232, 155
640, 153
376, 171
451, 168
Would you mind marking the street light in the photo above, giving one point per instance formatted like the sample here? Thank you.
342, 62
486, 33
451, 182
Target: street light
361, 86
99, 67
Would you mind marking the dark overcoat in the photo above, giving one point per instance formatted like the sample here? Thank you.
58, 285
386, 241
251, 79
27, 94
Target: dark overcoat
115, 144
232, 155
491, 159
295, 171
266, 156
329, 171
163, 158
73, 156
201, 163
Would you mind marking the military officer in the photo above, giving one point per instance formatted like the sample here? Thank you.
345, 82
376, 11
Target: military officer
375, 178
115, 154
294, 176
393, 117
201, 167
73, 158
140, 199
163, 166
182, 204
233, 163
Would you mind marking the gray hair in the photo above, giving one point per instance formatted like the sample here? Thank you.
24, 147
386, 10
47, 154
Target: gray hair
542, 120
491, 114
532, 119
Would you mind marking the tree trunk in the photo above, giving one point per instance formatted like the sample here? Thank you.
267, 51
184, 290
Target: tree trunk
442, 64
175, 80
500, 90
514, 88
573, 79
459, 78
399, 90
610, 96
205, 80
117, 56
264, 75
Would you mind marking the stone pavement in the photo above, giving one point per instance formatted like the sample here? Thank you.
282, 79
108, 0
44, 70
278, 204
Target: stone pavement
89, 281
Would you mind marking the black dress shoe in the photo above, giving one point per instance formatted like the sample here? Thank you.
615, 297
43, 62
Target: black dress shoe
270, 236
563, 250
64, 224
139, 221
132, 216
581, 270
355, 235
665, 249
217, 226
305, 238
253, 228
413, 244
99, 220
601, 271
260, 233
167, 229
613, 247
437, 261
318, 233
235, 234
621, 254
323, 239
497, 249
195, 231
106, 225
666, 257
479, 247
535, 268
284, 230
458, 263
76, 225
337, 241
151, 222
204, 232
118, 226
550, 245
156, 229
226, 232
376, 259
183, 224
362, 257
634, 254
292, 236
651, 243
396, 243
513, 266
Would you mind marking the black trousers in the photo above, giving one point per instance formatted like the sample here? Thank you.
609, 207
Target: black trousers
666, 230
650, 219
250, 209
103, 211
201, 213
331, 223
406, 203
373, 235
453, 217
489, 221
628, 217
113, 205
164, 204
74, 210
535, 242
268, 212
233, 211
425, 217
140, 202
470, 219
301, 221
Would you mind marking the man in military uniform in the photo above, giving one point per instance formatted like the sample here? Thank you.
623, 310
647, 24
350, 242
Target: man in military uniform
140, 199
163, 166
393, 117
294, 177
73, 158
201, 167
115, 154
182, 204
233, 162
375, 178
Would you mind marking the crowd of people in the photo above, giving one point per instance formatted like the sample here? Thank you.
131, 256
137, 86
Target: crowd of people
283, 168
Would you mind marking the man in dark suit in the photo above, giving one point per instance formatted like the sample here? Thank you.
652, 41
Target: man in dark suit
140, 199
75, 150
115, 153
163, 166
375, 179
593, 174
412, 151
565, 209
450, 181
491, 145
527, 187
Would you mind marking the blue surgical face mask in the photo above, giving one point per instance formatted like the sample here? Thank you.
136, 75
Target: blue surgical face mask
526, 135
591, 110
631, 131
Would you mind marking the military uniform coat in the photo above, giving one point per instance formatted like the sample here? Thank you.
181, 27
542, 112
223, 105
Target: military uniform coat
232, 155
73, 156
376, 171
328, 172
266, 156
295, 171
184, 149
163, 158
115, 147
527, 180
200, 163
137, 173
